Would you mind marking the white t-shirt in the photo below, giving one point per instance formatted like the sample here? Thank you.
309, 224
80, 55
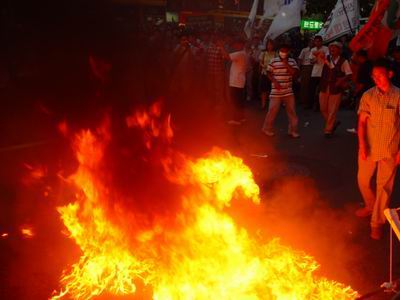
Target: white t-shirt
305, 56
237, 74
319, 61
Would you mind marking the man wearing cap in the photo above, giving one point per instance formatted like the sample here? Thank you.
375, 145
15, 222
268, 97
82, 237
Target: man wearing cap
336, 74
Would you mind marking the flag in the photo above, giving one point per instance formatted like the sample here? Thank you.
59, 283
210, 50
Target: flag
248, 27
343, 19
271, 8
287, 18
374, 36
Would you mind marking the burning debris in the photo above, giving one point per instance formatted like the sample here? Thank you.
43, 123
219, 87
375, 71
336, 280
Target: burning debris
27, 231
195, 252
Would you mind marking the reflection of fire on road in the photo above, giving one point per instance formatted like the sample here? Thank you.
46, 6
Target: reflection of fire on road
197, 252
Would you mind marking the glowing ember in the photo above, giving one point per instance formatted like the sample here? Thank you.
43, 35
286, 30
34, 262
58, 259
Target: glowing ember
198, 253
27, 231
4, 235
34, 174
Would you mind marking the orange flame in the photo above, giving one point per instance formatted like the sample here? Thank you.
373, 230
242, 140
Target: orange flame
34, 174
152, 124
27, 231
205, 255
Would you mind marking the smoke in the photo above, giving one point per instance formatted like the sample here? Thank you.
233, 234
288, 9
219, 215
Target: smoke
294, 210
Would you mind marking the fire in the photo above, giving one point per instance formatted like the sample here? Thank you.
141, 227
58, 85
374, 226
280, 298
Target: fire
34, 174
27, 231
197, 253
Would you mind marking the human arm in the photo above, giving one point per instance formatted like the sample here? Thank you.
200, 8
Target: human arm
292, 68
363, 117
301, 57
271, 77
362, 135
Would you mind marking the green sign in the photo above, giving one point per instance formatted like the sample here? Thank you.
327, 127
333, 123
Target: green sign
311, 24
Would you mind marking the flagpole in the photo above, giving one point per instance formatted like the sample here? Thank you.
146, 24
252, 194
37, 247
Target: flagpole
347, 17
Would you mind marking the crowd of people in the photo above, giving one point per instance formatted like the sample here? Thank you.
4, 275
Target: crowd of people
318, 77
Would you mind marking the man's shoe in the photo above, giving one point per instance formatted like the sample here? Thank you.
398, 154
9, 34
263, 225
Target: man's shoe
363, 212
268, 133
294, 135
376, 232
351, 130
234, 122
337, 124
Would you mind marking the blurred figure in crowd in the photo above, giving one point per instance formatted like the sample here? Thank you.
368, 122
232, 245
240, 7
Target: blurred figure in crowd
265, 59
215, 71
336, 75
363, 79
237, 80
396, 66
317, 58
305, 73
182, 66
252, 75
362, 68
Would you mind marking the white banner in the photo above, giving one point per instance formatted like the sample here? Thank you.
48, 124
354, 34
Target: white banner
287, 18
248, 27
343, 19
272, 7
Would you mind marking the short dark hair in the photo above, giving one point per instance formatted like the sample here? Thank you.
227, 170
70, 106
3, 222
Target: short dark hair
284, 46
318, 37
383, 63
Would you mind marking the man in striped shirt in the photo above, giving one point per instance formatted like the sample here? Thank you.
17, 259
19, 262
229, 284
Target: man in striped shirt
281, 71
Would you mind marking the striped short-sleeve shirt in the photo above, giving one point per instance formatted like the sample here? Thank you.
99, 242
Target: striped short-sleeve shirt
383, 123
280, 72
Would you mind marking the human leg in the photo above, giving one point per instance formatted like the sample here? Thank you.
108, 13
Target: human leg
323, 103
291, 113
366, 169
273, 109
332, 109
384, 186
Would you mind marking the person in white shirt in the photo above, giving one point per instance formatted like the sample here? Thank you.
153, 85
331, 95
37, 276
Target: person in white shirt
237, 80
305, 72
317, 58
336, 74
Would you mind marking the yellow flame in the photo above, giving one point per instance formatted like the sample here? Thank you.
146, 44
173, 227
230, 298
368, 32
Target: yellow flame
205, 255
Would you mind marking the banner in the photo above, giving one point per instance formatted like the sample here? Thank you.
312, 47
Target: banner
248, 27
374, 36
287, 18
343, 19
272, 7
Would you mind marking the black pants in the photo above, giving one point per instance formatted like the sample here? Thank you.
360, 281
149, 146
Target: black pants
238, 103
314, 91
